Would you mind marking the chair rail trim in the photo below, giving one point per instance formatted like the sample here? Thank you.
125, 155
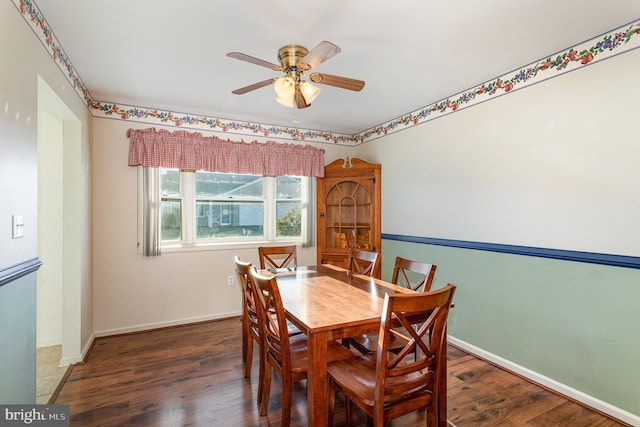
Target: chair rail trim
560, 254
14, 272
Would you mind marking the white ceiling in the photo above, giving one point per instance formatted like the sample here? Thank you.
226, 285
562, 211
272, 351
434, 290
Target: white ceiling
171, 55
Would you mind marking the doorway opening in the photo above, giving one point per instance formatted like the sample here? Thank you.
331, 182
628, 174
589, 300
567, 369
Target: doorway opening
59, 244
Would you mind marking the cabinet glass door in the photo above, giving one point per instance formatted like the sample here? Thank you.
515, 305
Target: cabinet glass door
348, 216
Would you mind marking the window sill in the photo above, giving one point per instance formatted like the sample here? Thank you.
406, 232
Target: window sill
225, 246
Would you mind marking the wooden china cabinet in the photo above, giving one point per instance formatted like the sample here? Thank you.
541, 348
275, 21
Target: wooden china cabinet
348, 210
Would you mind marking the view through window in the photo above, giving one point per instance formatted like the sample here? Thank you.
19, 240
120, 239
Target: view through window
199, 207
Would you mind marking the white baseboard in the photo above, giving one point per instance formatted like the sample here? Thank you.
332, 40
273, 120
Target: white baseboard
149, 326
87, 346
70, 360
551, 384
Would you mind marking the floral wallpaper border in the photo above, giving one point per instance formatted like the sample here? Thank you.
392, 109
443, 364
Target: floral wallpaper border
149, 115
615, 42
34, 17
621, 40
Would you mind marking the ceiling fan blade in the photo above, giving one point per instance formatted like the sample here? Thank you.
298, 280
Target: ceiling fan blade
338, 81
253, 60
318, 55
254, 86
300, 101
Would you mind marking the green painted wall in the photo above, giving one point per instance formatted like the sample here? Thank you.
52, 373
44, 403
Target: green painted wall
576, 323
18, 341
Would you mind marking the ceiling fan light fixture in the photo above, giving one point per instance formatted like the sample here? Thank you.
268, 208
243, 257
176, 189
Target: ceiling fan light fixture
309, 91
291, 90
287, 102
285, 87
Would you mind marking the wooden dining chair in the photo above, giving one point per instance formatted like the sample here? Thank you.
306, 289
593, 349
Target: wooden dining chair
386, 385
274, 257
250, 322
285, 354
363, 262
415, 275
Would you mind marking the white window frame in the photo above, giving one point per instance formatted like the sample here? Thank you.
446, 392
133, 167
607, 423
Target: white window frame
189, 242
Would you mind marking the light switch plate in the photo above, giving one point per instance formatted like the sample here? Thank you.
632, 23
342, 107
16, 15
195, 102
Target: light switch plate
18, 226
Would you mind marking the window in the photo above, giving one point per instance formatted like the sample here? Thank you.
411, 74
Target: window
198, 207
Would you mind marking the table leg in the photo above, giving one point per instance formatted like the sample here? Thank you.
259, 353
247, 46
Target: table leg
317, 381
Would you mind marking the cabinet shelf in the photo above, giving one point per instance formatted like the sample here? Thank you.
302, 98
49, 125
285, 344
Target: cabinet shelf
348, 226
337, 205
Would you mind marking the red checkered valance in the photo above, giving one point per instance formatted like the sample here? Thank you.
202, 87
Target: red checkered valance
186, 150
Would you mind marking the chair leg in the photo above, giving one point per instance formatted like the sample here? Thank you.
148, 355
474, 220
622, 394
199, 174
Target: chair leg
378, 416
245, 334
261, 368
247, 363
432, 415
331, 402
362, 349
286, 401
266, 391
348, 411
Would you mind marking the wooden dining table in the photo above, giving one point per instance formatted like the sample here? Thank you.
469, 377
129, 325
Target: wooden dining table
329, 303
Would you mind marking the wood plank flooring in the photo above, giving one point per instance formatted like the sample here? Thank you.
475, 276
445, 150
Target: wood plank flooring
193, 376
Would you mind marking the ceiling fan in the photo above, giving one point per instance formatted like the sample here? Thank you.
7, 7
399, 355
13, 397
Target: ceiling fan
291, 90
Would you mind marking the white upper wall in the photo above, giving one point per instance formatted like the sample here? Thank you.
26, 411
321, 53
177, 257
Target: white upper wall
555, 165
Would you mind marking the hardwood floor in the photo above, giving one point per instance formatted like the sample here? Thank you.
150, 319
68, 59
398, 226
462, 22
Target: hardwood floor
193, 376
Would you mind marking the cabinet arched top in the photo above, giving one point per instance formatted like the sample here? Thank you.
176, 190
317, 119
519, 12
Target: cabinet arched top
348, 164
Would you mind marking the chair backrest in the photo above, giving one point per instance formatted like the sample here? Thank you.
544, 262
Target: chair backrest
363, 262
414, 275
404, 378
278, 256
273, 321
248, 295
